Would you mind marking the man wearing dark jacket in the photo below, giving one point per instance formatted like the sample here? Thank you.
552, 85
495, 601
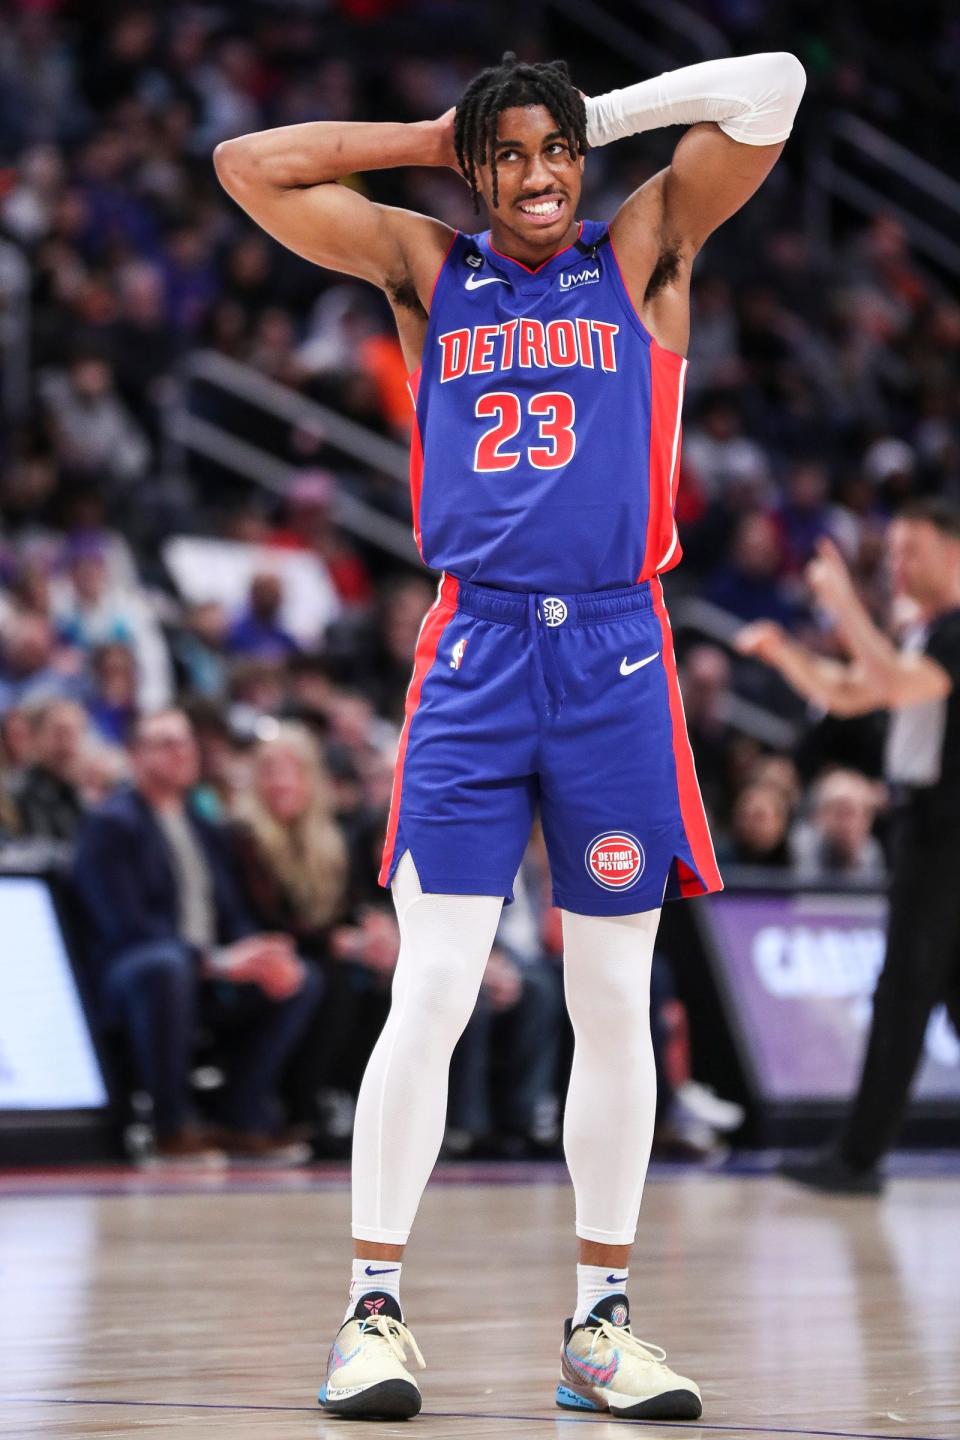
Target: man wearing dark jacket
48, 798
173, 940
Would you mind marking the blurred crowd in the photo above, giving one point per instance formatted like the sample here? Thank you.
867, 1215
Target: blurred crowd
211, 764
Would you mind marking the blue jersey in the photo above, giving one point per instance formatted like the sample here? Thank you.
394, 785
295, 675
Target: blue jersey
547, 439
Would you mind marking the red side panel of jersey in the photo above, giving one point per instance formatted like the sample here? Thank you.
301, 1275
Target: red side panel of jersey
667, 375
416, 462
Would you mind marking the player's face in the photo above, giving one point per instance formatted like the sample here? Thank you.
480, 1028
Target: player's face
920, 557
539, 180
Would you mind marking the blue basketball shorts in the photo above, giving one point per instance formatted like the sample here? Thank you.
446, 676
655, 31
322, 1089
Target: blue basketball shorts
566, 702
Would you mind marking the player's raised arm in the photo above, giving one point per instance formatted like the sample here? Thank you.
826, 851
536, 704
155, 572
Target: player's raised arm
740, 111
286, 180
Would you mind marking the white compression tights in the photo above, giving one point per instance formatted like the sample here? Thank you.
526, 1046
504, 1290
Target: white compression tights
612, 1100
445, 941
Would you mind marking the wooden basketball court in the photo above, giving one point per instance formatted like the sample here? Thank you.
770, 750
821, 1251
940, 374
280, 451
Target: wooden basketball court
160, 1305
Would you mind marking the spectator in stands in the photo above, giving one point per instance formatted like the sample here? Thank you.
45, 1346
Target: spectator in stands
49, 799
173, 943
111, 694
718, 452
300, 876
143, 344
222, 772
308, 525
504, 1066
259, 633
836, 843
383, 662
292, 854
749, 583
16, 741
805, 514
92, 430
705, 677
30, 669
88, 615
761, 820
780, 771
103, 769
715, 337
199, 649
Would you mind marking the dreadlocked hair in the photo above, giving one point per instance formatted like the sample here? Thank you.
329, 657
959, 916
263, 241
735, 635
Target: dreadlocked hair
499, 88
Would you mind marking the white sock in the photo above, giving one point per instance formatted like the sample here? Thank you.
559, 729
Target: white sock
367, 1275
593, 1283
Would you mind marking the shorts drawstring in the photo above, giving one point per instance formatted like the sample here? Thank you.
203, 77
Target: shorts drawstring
544, 659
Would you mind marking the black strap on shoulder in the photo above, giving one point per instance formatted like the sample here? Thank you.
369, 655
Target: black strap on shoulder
593, 247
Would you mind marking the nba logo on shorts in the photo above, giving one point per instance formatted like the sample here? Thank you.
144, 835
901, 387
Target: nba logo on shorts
615, 860
457, 654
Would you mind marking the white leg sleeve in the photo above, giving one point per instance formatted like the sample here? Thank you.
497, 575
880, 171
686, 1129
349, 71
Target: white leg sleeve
445, 941
608, 1124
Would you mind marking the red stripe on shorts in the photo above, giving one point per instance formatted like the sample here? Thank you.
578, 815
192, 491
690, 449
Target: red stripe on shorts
434, 623
688, 790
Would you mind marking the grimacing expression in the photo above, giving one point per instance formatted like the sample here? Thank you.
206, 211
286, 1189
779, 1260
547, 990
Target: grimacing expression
539, 181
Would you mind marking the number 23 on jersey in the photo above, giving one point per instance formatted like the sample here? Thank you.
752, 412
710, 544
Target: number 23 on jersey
553, 412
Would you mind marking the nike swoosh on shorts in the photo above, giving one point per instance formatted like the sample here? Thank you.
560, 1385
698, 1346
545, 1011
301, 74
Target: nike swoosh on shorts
626, 669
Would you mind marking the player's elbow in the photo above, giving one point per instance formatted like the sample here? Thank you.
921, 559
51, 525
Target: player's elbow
238, 165
228, 163
789, 77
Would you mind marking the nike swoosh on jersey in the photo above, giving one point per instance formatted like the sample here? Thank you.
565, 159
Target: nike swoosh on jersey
626, 669
473, 282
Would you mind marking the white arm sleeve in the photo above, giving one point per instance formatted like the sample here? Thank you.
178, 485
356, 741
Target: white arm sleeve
753, 99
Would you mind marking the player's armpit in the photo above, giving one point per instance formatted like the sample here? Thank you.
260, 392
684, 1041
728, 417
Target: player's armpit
334, 226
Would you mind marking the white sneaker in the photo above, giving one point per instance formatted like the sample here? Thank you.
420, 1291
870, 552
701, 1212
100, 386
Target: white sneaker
605, 1367
366, 1374
700, 1101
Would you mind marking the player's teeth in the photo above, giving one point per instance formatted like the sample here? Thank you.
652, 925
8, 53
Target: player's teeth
542, 209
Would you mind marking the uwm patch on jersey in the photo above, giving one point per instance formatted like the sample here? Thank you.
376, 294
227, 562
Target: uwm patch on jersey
546, 447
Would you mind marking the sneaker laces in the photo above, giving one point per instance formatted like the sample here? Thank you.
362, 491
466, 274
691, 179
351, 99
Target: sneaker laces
397, 1336
624, 1338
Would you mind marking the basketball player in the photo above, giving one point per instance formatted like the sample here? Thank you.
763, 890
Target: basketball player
920, 685
547, 365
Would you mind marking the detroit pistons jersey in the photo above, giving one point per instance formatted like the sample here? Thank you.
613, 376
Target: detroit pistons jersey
547, 438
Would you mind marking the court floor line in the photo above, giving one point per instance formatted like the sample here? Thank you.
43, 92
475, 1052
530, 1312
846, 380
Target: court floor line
579, 1419
37, 1182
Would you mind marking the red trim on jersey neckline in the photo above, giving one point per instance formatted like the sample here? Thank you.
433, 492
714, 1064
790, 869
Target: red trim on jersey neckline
434, 623
535, 270
706, 878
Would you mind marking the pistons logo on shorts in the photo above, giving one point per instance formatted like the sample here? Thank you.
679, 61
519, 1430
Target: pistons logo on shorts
615, 860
